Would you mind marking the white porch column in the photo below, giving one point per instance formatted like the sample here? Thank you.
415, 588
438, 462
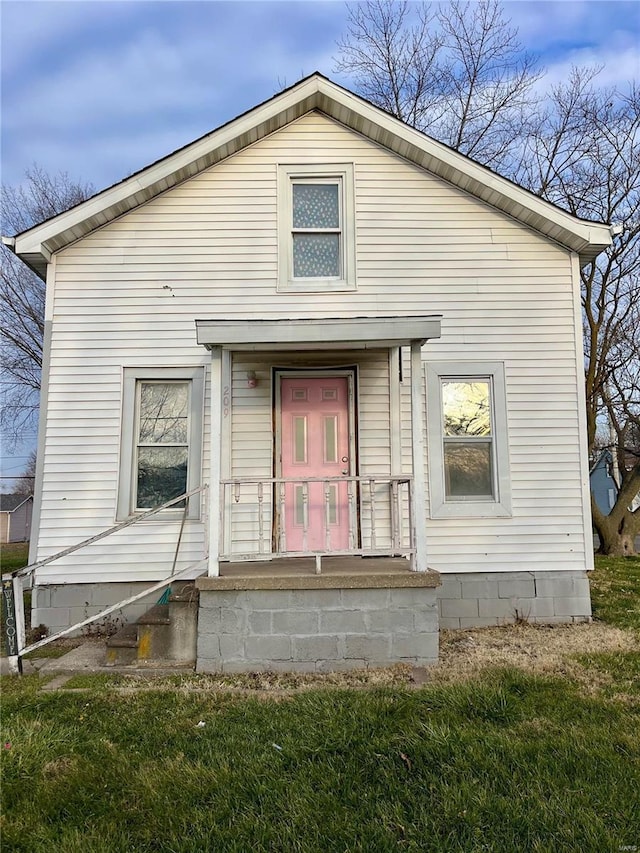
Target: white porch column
419, 508
214, 461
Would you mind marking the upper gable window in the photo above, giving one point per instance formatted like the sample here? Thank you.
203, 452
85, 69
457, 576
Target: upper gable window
316, 227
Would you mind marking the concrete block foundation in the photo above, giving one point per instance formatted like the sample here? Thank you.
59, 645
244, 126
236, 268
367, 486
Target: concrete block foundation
317, 624
330, 622
501, 598
58, 606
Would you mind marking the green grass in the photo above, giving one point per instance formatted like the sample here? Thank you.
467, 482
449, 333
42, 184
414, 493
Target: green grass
14, 556
510, 762
615, 591
623, 668
506, 761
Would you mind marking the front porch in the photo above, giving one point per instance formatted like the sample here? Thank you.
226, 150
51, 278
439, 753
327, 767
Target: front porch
264, 519
281, 571
306, 437
317, 551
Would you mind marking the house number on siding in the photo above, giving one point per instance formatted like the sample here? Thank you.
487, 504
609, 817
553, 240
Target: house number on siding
225, 401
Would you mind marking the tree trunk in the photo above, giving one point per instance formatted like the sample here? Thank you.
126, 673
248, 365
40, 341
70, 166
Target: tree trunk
616, 531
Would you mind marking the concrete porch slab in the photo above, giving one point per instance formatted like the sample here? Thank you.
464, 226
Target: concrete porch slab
337, 573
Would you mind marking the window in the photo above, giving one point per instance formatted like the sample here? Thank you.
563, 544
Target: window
467, 423
161, 439
468, 451
316, 227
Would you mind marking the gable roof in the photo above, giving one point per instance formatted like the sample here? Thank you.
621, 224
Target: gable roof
36, 245
10, 503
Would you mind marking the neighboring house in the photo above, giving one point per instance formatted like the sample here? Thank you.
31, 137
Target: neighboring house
604, 485
15, 518
365, 343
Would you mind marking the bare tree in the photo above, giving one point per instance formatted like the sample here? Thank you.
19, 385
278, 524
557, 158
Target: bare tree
22, 295
457, 72
393, 54
585, 157
24, 484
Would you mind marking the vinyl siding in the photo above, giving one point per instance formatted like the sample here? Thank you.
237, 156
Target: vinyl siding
127, 296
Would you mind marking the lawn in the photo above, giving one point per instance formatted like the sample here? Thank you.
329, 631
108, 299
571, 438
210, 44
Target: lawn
500, 757
14, 555
507, 762
615, 592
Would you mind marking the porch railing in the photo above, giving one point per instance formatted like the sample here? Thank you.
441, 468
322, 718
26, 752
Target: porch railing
260, 514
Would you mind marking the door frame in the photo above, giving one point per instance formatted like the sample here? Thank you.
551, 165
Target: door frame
351, 374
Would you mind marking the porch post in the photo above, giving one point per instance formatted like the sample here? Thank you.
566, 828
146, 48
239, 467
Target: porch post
417, 450
214, 461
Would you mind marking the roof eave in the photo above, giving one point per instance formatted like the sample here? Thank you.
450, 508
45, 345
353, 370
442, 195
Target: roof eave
587, 239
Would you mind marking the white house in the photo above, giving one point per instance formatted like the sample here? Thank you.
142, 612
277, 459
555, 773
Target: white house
367, 347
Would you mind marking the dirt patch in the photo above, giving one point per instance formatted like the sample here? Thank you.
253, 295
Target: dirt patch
542, 649
464, 654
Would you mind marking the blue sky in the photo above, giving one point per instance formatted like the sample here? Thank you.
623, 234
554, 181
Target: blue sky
101, 89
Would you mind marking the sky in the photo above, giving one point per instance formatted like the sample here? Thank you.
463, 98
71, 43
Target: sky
102, 89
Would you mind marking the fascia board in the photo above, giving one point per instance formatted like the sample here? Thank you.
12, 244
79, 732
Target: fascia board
32, 240
318, 92
586, 233
354, 332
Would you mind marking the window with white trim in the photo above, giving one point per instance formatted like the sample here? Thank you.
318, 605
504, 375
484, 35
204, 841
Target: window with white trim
161, 451
316, 227
467, 436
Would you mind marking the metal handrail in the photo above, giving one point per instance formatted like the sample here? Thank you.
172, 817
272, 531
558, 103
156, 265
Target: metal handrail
12, 588
27, 570
230, 490
126, 601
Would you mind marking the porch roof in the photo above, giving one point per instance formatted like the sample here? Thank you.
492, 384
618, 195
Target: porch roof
317, 333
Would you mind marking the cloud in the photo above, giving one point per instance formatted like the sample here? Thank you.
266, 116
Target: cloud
174, 67
619, 66
100, 89
581, 32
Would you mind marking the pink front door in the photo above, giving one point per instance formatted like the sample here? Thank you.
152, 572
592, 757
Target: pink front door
315, 443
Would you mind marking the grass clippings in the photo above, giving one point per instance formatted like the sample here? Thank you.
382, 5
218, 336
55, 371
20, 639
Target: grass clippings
538, 649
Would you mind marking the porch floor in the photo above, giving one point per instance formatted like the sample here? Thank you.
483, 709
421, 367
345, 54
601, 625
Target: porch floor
337, 572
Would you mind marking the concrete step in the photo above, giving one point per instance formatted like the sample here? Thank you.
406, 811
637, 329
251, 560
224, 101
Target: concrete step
166, 633
156, 615
122, 647
184, 591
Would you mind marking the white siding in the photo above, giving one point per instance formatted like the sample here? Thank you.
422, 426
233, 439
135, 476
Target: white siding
128, 294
